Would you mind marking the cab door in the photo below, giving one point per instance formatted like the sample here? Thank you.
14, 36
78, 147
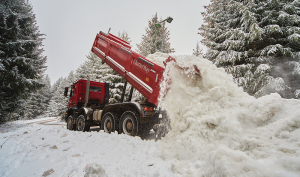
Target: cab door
73, 95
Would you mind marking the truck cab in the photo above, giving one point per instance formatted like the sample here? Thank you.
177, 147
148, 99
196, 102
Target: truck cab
98, 94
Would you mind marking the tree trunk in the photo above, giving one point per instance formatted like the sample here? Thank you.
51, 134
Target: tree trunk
9, 118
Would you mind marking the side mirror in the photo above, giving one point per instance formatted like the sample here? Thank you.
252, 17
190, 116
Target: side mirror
66, 91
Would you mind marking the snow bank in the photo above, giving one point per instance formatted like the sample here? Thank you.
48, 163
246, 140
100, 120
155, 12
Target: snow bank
219, 130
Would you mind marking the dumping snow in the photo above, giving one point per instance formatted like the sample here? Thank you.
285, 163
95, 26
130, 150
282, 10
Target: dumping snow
219, 130
158, 58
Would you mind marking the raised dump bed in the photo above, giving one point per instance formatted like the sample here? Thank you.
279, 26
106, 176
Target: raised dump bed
143, 74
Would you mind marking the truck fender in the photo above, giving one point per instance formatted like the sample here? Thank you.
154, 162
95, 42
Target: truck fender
137, 106
113, 107
70, 112
86, 112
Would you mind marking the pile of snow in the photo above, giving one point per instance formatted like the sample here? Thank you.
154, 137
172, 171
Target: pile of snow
219, 130
52, 150
158, 58
94, 170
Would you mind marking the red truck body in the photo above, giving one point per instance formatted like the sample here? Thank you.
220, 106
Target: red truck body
141, 73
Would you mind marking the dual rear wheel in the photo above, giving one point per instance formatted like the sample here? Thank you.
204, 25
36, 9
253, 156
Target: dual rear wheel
80, 124
127, 124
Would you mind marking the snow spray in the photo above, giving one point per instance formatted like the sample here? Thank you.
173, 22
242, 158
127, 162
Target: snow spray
219, 130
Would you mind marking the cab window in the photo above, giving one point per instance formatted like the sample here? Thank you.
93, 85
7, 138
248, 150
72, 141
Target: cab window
72, 91
95, 89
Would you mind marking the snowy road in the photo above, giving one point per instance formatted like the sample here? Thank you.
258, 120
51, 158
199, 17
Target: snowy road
47, 121
57, 121
45, 148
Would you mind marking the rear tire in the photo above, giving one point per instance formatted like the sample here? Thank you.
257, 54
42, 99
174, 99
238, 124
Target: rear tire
128, 124
81, 124
108, 123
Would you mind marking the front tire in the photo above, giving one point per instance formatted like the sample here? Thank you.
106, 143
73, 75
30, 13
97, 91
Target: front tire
81, 124
108, 123
70, 125
128, 124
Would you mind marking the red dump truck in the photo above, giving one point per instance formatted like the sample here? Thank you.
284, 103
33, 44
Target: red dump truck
89, 101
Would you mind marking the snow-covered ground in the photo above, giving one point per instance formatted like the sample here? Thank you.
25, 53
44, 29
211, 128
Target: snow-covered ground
217, 130
32, 149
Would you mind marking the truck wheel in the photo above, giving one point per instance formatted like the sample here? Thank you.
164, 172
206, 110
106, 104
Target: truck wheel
128, 124
107, 123
81, 124
70, 125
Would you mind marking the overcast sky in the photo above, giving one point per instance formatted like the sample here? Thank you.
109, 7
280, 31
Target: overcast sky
71, 26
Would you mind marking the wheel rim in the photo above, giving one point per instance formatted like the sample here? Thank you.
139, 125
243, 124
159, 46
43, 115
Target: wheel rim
127, 125
107, 125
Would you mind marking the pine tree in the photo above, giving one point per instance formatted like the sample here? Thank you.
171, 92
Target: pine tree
124, 36
37, 102
82, 71
71, 79
257, 42
89, 68
58, 103
46, 93
21, 60
152, 40
198, 50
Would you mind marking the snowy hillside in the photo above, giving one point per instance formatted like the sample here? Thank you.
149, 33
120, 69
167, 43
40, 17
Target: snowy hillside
217, 130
